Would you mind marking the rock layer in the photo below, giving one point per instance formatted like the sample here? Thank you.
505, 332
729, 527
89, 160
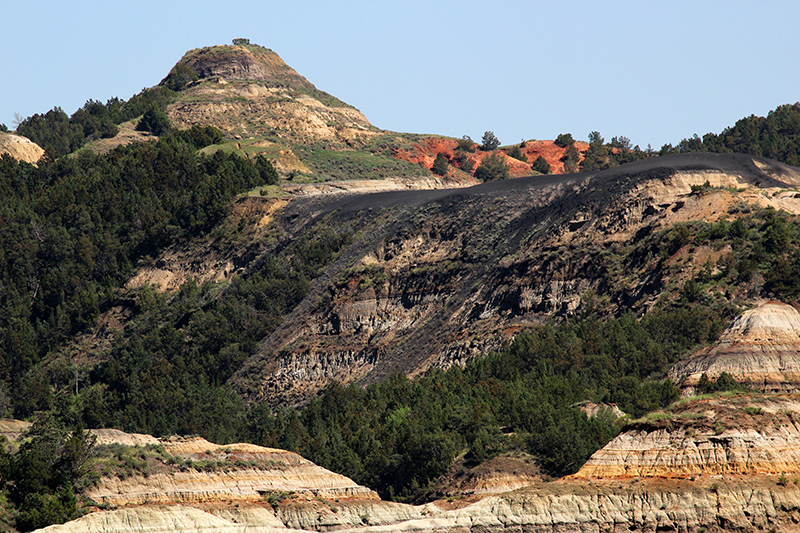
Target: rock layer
685, 507
432, 278
746, 435
762, 346
262, 471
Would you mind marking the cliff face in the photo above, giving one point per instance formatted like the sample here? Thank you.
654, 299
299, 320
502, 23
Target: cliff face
249, 474
724, 464
762, 346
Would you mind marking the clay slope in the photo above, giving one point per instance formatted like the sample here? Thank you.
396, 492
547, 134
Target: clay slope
762, 347
20, 147
255, 472
437, 277
754, 504
425, 151
734, 485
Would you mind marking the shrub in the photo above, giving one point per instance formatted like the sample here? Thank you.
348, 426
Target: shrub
492, 168
516, 153
564, 139
466, 144
541, 166
463, 161
155, 121
179, 77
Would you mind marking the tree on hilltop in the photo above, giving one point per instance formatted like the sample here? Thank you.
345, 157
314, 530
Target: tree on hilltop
489, 142
564, 139
466, 144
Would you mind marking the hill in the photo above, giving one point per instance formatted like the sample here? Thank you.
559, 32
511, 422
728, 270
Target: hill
445, 276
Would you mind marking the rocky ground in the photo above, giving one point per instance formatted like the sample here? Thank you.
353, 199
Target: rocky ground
437, 277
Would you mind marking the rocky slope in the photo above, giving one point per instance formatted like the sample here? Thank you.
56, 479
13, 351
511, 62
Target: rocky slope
724, 491
425, 151
762, 347
249, 91
213, 473
721, 463
436, 277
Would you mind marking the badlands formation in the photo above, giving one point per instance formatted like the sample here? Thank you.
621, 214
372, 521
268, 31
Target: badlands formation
762, 346
728, 462
724, 464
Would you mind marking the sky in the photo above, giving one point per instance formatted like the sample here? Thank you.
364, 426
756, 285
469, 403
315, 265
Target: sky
653, 71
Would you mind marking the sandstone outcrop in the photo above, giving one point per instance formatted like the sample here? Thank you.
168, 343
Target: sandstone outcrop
12, 429
762, 347
753, 504
720, 464
738, 435
249, 472
249, 91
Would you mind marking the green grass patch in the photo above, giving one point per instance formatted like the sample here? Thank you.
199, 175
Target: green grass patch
228, 148
348, 165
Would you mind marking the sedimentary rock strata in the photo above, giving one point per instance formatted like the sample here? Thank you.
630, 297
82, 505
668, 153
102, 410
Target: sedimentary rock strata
762, 346
742, 435
255, 473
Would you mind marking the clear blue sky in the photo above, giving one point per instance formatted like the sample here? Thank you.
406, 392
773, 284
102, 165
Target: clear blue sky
653, 71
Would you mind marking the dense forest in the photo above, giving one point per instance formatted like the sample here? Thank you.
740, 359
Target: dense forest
75, 226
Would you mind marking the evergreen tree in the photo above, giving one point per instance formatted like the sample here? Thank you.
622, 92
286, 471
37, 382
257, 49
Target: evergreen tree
571, 158
155, 121
489, 142
516, 153
440, 165
541, 166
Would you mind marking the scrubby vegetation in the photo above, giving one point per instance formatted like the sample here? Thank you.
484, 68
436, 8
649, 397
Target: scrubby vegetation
400, 435
74, 228
344, 165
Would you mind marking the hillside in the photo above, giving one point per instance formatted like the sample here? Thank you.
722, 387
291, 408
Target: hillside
706, 467
445, 276
760, 347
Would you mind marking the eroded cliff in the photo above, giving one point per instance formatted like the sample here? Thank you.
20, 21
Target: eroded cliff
435, 278
761, 347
